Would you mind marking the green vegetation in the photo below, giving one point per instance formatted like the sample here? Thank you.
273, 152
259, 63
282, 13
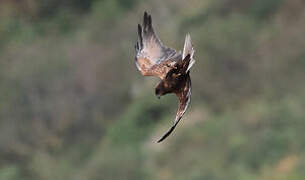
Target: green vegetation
73, 105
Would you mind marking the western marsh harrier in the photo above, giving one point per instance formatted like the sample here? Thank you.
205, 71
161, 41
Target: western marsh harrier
172, 67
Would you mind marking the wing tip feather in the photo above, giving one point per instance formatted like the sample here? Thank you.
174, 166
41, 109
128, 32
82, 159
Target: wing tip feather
188, 49
140, 41
167, 133
147, 24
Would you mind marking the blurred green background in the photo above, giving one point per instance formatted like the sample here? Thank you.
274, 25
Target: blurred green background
74, 106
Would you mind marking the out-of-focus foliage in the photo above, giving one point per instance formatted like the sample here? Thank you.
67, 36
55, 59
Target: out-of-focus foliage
73, 105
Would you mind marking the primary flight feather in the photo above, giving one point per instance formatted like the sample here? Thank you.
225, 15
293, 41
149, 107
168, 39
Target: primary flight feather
172, 67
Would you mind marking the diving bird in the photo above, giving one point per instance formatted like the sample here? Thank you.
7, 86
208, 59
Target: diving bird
172, 67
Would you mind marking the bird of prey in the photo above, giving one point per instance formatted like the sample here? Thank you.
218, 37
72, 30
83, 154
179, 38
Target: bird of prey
172, 67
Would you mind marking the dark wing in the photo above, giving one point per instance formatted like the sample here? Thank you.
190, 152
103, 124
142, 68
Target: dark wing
184, 97
152, 57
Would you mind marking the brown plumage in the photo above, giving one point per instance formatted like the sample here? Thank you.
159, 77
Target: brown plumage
155, 59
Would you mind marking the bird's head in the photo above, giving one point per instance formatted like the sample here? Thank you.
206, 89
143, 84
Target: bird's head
169, 84
161, 89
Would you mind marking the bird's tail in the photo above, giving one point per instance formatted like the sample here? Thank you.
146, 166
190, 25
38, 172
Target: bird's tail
188, 49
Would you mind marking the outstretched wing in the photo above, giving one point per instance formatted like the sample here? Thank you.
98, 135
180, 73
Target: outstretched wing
184, 97
152, 57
